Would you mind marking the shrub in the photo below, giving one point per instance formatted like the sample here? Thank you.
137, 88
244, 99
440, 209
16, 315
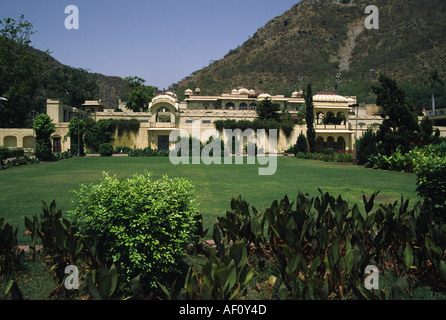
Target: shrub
301, 144
16, 153
141, 223
106, 150
334, 157
148, 152
318, 248
3, 156
431, 181
366, 147
123, 149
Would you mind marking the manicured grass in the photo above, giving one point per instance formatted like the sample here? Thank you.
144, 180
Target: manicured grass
23, 188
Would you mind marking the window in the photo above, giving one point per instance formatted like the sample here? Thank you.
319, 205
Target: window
189, 121
230, 105
243, 106
206, 121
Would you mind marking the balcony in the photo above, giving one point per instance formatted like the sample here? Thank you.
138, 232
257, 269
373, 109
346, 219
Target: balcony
332, 126
162, 125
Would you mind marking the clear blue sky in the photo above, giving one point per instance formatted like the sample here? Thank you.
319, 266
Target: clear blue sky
161, 41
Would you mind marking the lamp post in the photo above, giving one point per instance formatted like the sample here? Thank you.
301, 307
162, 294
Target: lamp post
76, 111
355, 159
33, 114
338, 77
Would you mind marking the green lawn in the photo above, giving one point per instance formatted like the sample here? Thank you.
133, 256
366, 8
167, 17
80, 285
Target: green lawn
23, 188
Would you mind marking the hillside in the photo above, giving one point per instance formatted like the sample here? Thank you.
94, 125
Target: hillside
316, 39
111, 88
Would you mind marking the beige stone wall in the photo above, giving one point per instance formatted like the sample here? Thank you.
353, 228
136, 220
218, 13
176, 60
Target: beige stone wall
183, 117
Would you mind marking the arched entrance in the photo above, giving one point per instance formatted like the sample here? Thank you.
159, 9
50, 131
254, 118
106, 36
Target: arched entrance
340, 144
330, 143
319, 144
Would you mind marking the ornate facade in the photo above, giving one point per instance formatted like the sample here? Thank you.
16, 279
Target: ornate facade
332, 113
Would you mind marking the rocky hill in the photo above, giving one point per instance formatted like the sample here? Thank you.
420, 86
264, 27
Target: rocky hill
316, 39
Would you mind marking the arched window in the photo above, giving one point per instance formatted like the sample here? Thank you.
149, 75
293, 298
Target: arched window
319, 117
330, 118
340, 144
253, 106
330, 143
10, 141
243, 106
28, 142
341, 118
230, 105
319, 144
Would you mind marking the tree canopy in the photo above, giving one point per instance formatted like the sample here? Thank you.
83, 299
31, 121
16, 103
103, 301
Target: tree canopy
20, 72
268, 110
140, 95
400, 125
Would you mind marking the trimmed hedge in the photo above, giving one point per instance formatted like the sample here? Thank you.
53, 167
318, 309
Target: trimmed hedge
148, 152
106, 150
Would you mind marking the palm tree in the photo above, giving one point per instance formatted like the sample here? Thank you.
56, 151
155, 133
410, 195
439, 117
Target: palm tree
434, 81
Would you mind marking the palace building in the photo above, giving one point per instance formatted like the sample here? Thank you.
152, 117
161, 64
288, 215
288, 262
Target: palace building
334, 118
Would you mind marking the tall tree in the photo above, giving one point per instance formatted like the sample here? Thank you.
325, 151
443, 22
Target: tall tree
268, 110
44, 127
400, 125
140, 95
309, 117
21, 72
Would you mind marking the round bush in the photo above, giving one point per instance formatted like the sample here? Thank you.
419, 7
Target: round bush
143, 224
106, 149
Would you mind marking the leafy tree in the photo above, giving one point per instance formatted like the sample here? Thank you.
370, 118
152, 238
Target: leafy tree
309, 117
44, 127
21, 72
400, 124
140, 95
76, 132
268, 110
